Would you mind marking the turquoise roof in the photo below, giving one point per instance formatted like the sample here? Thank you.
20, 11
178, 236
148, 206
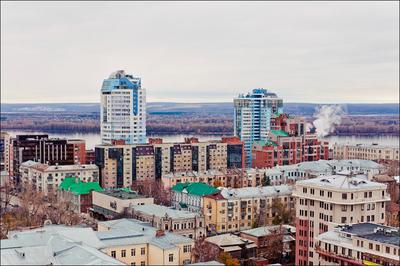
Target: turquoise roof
266, 143
76, 186
280, 133
197, 188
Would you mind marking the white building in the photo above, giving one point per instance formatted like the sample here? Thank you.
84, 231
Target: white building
374, 152
252, 115
46, 178
328, 201
123, 109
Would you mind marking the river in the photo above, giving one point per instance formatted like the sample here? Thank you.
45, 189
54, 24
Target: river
93, 139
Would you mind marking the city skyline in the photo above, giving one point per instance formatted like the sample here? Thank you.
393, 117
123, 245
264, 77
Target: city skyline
334, 52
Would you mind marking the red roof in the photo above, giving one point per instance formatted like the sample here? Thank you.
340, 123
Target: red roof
216, 196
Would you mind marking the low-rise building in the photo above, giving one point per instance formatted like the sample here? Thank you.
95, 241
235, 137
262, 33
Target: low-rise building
47, 178
189, 196
239, 248
359, 244
232, 210
54, 245
373, 152
115, 201
72, 189
274, 242
138, 243
188, 224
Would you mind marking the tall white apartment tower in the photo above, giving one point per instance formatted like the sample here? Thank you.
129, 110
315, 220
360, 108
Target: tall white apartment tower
252, 117
123, 109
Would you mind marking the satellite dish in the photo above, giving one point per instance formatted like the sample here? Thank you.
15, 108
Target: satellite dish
47, 222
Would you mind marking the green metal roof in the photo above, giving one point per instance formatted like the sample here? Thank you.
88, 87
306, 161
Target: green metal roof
76, 186
198, 188
267, 143
280, 133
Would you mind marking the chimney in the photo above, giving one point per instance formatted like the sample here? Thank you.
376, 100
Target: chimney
160, 233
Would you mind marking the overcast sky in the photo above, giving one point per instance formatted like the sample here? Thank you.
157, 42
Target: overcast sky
201, 51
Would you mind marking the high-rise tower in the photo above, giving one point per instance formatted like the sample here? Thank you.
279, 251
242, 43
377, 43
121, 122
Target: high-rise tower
123, 109
252, 116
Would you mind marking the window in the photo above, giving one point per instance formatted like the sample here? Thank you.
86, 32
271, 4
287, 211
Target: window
343, 220
171, 257
370, 194
142, 263
387, 249
344, 195
113, 253
123, 253
133, 264
133, 252
143, 251
370, 246
187, 249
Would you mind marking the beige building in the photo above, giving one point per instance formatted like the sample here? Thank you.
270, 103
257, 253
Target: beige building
373, 152
233, 210
6, 157
46, 178
325, 202
360, 244
185, 223
137, 243
113, 202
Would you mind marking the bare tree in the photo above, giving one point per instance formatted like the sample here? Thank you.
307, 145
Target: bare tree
155, 189
204, 251
272, 248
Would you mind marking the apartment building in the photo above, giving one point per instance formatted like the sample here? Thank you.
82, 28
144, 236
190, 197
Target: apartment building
112, 202
41, 148
373, 152
288, 143
327, 201
232, 210
133, 242
185, 223
6, 155
360, 244
121, 164
47, 178
189, 196
123, 109
252, 117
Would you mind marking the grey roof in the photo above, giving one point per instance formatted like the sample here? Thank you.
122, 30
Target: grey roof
122, 193
131, 231
342, 182
212, 262
57, 245
376, 232
253, 192
266, 230
162, 211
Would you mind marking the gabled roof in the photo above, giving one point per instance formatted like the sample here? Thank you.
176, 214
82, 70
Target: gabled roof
198, 188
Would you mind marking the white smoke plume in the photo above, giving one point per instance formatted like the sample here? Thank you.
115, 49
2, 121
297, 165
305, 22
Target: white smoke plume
327, 118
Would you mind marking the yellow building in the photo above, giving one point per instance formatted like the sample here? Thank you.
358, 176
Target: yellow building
137, 243
233, 210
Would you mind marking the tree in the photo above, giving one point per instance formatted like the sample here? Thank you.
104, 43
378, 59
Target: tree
227, 259
273, 248
217, 183
282, 213
266, 181
153, 188
204, 251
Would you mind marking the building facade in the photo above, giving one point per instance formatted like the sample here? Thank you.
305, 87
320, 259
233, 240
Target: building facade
189, 196
121, 164
360, 244
113, 202
6, 159
325, 202
252, 117
232, 210
373, 152
123, 109
47, 178
188, 224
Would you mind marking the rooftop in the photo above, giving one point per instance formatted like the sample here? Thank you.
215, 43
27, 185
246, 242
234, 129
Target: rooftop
76, 186
52, 168
375, 232
251, 192
343, 182
267, 230
280, 133
162, 211
230, 242
198, 188
131, 231
54, 245
212, 262
121, 193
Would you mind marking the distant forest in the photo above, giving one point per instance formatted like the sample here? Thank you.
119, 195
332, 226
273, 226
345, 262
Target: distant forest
180, 118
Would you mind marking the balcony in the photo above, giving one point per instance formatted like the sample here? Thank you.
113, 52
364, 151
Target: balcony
333, 255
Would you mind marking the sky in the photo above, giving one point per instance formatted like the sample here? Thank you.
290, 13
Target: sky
321, 52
